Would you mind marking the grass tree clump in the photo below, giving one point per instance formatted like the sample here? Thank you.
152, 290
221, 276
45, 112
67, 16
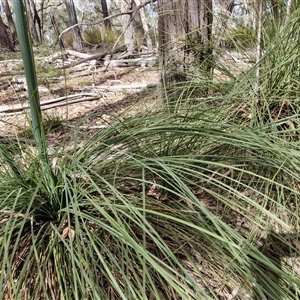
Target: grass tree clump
202, 203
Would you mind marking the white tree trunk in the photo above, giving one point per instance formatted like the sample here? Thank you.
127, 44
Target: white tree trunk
128, 26
145, 25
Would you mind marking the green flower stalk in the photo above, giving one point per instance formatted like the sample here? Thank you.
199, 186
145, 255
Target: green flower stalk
32, 87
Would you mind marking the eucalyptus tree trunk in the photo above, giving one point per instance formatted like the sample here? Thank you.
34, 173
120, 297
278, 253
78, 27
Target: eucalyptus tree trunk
10, 21
76, 35
33, 30
104, 9
37, 19
128, 26
184, 33
4, 37
144, 24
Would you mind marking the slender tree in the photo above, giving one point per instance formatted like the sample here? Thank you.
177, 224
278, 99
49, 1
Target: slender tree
4, 37
37, 19
128, 26
104, 8
33, 30
10, 21
145, 25
77, 38
56, 31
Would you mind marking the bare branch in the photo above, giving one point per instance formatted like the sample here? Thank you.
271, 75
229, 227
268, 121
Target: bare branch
133, 11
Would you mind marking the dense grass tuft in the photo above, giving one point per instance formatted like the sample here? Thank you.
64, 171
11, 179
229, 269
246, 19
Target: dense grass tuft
197, 201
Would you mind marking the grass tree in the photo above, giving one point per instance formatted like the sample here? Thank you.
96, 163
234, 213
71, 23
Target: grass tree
201, 204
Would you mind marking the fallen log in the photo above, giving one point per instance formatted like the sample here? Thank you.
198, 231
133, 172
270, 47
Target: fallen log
143, 61
122, 87
77, 54
97, 56
11, 139
12, 73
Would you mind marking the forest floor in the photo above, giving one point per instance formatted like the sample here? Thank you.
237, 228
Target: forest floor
88, 93
94, 94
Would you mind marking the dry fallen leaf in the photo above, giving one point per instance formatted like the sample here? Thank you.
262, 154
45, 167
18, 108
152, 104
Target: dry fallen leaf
68, 232
153, 192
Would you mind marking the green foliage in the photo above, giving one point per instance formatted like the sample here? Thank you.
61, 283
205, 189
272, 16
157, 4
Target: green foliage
240, 37
202, 203
154, 211
281, 63
67, 39
96, 36
93, 36
50, 123
47, 72
112, 36
273, 93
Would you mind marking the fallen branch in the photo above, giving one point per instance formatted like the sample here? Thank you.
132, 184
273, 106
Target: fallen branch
10, 139
4, 74
97, 56
77, 54
122, 87
14, 109
143, 61
9, 110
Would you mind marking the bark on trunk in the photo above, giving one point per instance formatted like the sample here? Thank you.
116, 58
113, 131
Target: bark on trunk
128, 26
76, 35
10, 21
145, 25
37, 20
33, 30
184, 38
4, 37
104, 9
